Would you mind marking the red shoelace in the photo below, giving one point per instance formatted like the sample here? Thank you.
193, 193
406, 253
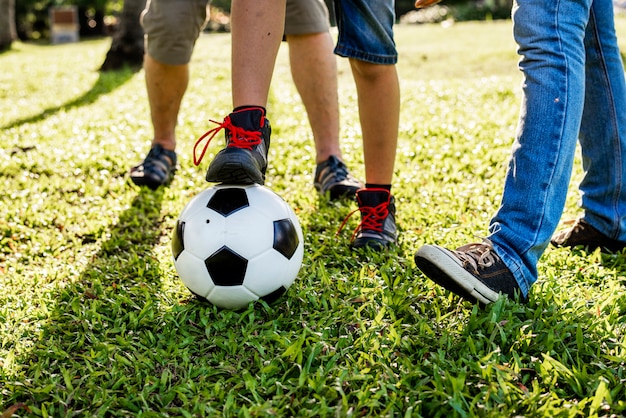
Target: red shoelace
240, 138
372, 218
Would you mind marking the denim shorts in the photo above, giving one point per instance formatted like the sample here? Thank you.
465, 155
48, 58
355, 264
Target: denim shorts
366, 30
172, 27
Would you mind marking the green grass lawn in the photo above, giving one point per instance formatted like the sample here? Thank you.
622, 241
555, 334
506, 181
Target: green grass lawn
95, 322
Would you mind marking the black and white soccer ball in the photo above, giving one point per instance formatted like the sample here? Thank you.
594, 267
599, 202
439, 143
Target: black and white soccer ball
236, 244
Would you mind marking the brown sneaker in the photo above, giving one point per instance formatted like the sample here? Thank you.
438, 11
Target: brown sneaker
583, 234
474, 271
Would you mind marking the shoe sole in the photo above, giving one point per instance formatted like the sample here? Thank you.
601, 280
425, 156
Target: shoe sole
443, 268
235, 169
143, 182
372, 243
337, 192
151, 182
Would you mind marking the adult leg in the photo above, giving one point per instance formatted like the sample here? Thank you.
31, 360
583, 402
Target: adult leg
314, 72
171, 29
553, 64
603, 129
550, 38
166, 86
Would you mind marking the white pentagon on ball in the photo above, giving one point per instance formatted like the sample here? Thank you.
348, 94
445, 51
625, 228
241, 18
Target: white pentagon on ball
236, 244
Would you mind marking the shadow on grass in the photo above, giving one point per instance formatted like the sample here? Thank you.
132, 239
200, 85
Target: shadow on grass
108, 346
106, 83
92, 318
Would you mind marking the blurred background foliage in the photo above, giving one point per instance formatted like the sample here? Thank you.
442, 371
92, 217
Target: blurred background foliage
100, 17
96, 17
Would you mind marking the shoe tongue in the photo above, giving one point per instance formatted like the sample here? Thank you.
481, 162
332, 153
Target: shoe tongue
333, 161
248, 119
372, 197
334, 166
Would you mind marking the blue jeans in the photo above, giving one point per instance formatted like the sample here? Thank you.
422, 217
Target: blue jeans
366, 30
573, 89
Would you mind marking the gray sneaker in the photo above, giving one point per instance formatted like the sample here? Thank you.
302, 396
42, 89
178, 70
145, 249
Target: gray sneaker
377, 229
332, 177
156, 170
474, 271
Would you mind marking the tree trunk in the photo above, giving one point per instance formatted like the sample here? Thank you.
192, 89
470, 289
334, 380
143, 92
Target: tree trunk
7, 24
127, 46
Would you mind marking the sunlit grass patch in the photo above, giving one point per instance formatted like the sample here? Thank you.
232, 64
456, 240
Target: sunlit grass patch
95, 322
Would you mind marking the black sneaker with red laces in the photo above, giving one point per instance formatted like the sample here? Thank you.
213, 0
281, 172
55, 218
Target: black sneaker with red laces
377, 229
474, 271
244, 159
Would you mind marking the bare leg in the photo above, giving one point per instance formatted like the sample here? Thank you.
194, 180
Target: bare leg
379, 109
166, 85
257, 30
314, 72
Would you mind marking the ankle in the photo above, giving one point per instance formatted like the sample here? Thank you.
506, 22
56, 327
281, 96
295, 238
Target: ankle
168, 144
378, 186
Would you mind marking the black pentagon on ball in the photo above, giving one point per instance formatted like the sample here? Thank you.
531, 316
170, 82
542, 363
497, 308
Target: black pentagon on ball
285, 238
226, 267
178, 242
228, 201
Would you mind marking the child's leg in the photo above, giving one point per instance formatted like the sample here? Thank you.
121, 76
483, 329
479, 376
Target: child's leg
366, 38
379, 112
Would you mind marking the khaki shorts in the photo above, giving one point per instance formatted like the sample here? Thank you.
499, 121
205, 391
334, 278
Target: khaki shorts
306, 16
172, 27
